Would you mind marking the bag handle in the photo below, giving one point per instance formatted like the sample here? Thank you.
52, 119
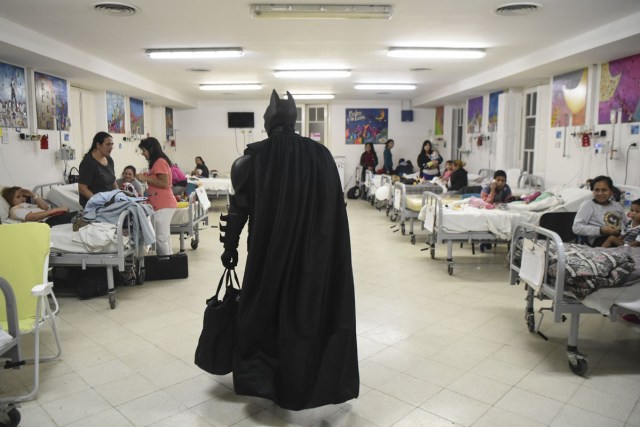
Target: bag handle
71, 170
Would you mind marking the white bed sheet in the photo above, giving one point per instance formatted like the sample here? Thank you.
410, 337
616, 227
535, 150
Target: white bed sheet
213, 184
603, 300
64, 239
65, 195
180, 216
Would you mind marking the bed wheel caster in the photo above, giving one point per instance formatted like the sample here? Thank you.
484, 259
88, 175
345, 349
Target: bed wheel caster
112, 300
10, 418
194, 244
413, 239
402, 229
141, 277
432, 251
531, 322
450, 269
578, 364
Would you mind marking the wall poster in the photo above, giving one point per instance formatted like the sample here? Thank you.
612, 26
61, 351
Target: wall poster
136, 111
52, 104
620, 90
474, 115
439, 121
569, 98
168, 120
115, 113
493, 111
363, 125
13, 97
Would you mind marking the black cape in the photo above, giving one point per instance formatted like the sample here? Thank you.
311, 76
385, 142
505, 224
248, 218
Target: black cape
296, 342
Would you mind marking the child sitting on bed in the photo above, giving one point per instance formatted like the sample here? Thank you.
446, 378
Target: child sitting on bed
498, 191
601, 217
36, 210
632, 235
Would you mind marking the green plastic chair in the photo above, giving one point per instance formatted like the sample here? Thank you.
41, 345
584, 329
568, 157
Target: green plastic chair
24, 263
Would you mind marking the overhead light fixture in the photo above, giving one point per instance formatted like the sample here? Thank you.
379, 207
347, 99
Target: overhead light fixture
384, 86
314, 74
321, 11
435, 53
312, 96
195, 53
231, 86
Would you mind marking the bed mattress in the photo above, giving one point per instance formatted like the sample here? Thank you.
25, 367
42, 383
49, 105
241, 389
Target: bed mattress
213, 184
180, 216
95, 239
65, 195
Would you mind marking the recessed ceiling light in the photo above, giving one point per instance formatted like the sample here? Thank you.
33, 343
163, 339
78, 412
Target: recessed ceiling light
317, 74
231, 86
194, 53
435, 53
311, 95
384, 86
321, 11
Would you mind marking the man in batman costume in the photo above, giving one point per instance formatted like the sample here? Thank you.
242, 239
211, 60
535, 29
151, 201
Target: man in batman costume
296, 329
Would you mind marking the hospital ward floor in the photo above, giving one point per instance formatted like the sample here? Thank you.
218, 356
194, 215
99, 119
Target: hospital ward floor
434, 350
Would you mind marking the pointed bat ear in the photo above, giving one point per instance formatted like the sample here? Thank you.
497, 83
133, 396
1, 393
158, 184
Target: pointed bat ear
292, 102
274, 98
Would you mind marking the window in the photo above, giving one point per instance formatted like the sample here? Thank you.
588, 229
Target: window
529, 131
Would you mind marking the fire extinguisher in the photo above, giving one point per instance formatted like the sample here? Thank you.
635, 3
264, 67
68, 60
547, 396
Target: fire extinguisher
586, 140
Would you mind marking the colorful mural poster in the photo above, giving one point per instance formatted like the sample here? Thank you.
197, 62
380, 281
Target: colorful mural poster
115, 113
620, 90
13, 97
569, 98
367, 125
52, 104
136, 111
439, 121
493, 111
474, 115
168, 120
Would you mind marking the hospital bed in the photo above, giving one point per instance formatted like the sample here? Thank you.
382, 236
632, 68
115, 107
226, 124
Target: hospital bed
447, 221
383, 195
407, 202
187, 219
215, 187
66, 251
597, 281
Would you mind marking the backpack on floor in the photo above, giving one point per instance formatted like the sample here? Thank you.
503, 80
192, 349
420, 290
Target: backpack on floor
353, 192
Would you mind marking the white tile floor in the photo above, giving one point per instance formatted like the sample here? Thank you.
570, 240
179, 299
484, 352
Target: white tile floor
434, 350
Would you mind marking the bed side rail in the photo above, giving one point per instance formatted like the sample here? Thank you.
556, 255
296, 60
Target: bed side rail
42, 189
546, 240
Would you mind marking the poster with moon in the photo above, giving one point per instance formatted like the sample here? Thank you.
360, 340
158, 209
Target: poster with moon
569, 98
619, 96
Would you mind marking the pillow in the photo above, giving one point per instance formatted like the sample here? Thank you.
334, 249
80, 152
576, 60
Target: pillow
4, 207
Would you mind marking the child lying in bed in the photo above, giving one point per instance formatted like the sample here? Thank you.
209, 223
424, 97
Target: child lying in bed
35, 210
631, 236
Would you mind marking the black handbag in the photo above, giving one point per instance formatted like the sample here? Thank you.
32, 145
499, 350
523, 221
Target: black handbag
214, 353
73, 178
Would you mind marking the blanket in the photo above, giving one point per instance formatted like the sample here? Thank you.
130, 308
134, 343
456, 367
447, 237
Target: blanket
588, 269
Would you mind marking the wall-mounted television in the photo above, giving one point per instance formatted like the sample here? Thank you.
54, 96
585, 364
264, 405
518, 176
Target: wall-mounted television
240, 120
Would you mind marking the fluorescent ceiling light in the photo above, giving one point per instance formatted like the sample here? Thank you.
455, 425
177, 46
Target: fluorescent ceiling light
312, 96
317, 74
435, 53
321, 11
194, 53
384, 86
231, 86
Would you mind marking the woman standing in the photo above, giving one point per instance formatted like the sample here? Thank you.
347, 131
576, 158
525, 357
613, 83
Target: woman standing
96, 171
159, 192
429, 161
368, 160
388, 157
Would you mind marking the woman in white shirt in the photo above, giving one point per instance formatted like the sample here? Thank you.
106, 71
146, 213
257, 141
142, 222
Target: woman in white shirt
35, 210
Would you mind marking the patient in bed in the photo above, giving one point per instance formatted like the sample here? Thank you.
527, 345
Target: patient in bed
34, 210
631, 237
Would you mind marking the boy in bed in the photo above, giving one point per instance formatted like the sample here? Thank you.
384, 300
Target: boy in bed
631, 236
34, 210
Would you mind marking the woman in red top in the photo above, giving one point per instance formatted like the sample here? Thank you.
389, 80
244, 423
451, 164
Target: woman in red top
159, 193
368, 159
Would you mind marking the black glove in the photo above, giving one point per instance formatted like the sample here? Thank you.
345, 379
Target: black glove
229, 258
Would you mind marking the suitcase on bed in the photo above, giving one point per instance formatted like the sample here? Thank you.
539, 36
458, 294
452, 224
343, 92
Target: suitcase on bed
166, 267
